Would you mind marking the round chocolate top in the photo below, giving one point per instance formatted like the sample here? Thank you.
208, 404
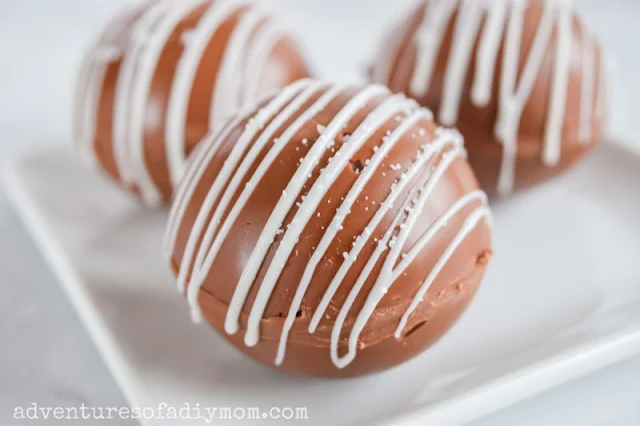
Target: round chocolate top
524, 81
330, 222
166, 72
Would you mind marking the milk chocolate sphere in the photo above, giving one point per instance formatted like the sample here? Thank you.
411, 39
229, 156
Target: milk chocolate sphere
163, 74
333, 231
523, 80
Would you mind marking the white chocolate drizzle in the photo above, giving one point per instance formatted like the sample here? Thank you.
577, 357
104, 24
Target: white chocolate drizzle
195, 46
210, 145
151, 41
499, 18
299, 105
253, 38
209, 246
91, 79
374, 121
589, 67
304, 213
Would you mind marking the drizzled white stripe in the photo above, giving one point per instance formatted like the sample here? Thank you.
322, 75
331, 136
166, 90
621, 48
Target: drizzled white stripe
429, 38
207, 255
470, 224
210, 144
487, 54
428, 152
89, 111
394, 105
182, 87
140, 33
304, 213
268, 37
403, 68
253, 127
560, 87
381, 247
91, 78
384, 280
467, 26
82, 101
266, 238
605, 87
433, 230
514, 95
140, 95
589, 65
227, 83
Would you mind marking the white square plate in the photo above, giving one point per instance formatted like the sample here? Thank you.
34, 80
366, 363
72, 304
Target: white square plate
561, 299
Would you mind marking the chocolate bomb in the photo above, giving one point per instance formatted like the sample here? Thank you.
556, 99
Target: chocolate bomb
524, 81
163, 74
334, 231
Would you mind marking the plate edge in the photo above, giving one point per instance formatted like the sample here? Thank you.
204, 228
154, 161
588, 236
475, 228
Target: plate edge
527, 382
62, 269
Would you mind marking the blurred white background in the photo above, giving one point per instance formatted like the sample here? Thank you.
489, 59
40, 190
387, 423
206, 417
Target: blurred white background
45, 355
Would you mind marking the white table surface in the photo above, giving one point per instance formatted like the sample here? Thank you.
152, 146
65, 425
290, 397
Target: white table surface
46, 355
